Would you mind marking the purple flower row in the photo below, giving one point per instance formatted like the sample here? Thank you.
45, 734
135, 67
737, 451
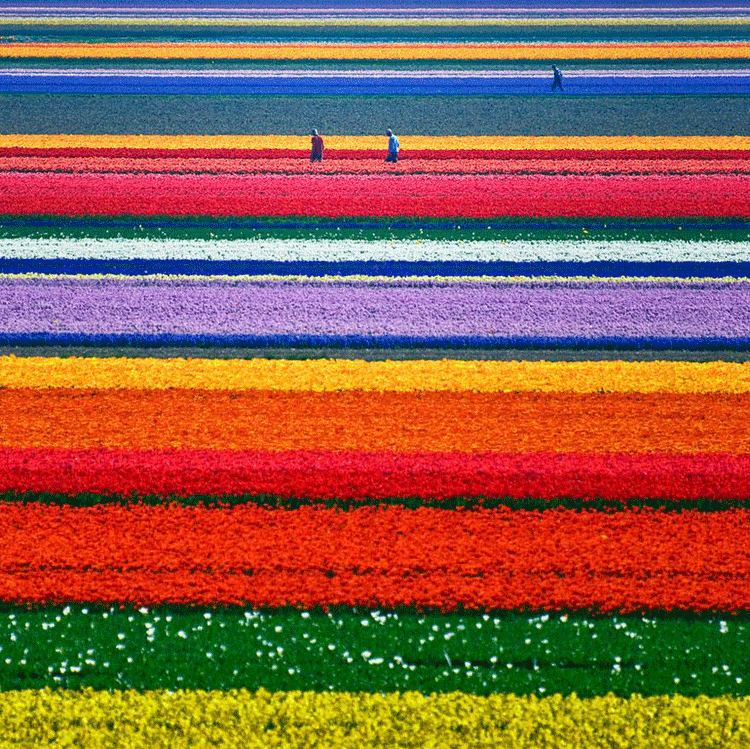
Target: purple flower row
210, 307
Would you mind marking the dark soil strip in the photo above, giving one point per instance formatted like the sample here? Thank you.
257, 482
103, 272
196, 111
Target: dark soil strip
395, 354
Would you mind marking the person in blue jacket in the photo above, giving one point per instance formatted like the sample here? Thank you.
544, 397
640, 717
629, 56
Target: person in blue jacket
393, 146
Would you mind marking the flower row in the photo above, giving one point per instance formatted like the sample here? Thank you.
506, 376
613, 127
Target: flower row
480, 196
526, 145
382, 82
407, 422
289, 478
284, 720
633, 560
369, 163
354, 254
130, 50
696, 150
368, 541
326, 375
374, 311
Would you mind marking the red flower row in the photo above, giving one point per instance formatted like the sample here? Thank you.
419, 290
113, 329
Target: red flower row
373, 154
203, 165
435, 589
358, 475
479, 196
493, 559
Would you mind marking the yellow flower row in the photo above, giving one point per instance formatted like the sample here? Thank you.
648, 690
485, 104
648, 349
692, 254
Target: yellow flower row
366, 142
33, 719
400, 51
393, 376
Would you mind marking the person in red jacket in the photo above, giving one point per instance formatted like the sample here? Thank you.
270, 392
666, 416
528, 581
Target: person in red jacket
317, 147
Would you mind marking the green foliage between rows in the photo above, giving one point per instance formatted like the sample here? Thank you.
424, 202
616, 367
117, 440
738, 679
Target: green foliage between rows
374, 229
93, 499
357, 649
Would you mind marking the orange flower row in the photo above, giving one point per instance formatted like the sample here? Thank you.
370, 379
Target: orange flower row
377, 556
375, 421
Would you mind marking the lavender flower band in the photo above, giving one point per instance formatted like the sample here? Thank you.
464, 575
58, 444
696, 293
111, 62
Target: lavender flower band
420, 309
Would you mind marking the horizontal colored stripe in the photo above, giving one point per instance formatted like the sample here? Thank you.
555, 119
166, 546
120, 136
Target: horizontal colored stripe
75, 646
372, 165
685, 232
462, 503
618, 158
289, 477
394, 73
379, 271
196, 82
285, 719
375, 166
432, 17
273, 32
403, 51
345, 8
558, 116
151, 158
325, 375
307, 343
340, 274
344, 312
384, 353
411, 143
479, 196
463, 422
306, 253
628, 561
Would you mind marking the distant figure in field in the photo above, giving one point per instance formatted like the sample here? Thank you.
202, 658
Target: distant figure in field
316, 154
557, 81
393, 146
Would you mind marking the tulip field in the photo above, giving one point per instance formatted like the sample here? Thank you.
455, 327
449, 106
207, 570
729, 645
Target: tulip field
452, 451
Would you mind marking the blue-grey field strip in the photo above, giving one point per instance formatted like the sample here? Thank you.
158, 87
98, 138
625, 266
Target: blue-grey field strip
186, 114
371, 83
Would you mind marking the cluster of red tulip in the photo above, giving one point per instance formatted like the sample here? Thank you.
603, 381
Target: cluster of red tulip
362, 476
377, 556
424, 195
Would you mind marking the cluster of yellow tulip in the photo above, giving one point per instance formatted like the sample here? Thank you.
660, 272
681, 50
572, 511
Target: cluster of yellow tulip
293, 719
391, 376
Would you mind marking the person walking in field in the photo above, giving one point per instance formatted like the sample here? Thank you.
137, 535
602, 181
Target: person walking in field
316, 154
393, 146
557, 81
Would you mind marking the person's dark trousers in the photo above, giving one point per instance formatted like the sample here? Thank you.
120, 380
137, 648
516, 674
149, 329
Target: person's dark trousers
392, 157
557, 84
316, 157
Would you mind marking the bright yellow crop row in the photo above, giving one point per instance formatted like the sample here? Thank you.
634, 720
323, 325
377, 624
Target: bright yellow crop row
401, 51
131, 720
367, 142
399, 376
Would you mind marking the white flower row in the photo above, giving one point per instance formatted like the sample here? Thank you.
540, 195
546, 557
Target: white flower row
383, 250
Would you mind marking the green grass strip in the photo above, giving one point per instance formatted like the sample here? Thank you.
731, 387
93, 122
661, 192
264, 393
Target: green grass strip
426, 34
374, 229
277, 501
355, 649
